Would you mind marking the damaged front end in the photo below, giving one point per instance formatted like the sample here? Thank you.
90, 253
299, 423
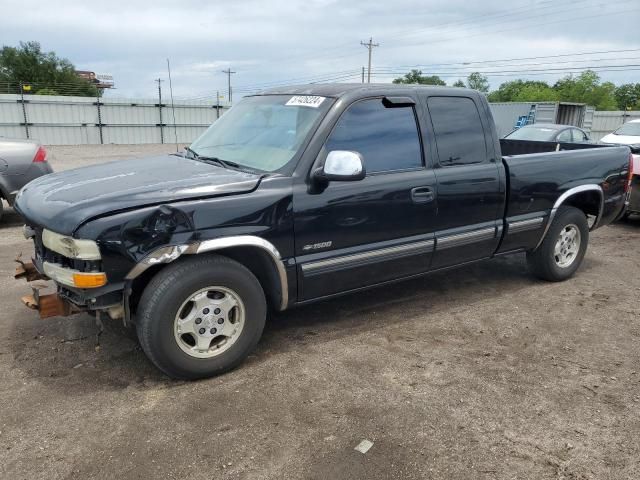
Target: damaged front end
73, 268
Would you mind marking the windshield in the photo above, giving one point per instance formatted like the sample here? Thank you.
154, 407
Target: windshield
631, 129
538, 134
262, 132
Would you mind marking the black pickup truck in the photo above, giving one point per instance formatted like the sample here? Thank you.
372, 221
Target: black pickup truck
300, 194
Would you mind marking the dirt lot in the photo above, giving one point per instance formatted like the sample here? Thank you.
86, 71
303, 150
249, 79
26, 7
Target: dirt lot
479, 373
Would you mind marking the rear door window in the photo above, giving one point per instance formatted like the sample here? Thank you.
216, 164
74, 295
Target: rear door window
457, 125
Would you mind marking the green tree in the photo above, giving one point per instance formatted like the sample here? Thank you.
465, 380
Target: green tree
416, 77
587, 88
520, 90
459, 84
28, 64
628, 96
479, 82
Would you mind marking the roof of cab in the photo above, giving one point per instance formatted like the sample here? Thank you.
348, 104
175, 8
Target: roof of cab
337, 90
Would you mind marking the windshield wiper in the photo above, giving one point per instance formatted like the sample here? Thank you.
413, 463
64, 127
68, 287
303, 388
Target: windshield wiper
218, 161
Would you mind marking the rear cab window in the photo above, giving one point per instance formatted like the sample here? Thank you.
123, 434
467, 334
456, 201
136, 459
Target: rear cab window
459, 133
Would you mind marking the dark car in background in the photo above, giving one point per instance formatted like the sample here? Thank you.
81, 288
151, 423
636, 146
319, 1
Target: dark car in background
20, 162
550, 132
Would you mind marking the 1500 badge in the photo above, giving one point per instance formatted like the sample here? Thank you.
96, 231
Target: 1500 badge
316, 246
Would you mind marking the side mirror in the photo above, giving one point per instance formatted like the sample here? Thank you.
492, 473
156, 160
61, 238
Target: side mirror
341, 166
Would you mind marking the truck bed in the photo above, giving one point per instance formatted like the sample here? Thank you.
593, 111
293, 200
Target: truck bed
538, 173
522, 147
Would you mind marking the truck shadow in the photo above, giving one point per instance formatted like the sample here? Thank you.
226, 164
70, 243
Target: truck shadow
398, 302
64, 352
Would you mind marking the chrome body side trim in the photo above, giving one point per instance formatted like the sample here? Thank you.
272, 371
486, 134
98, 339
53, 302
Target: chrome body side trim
565, 196
460, 239
525, 225
171, 253
425, 246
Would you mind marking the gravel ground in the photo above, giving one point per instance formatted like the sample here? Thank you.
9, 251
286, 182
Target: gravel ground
478, 373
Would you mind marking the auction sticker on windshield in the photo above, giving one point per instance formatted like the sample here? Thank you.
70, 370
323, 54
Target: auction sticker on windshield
305, 101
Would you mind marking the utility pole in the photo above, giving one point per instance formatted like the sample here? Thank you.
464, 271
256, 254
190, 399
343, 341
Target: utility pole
159, 80
228, 71
370, 45
362, 74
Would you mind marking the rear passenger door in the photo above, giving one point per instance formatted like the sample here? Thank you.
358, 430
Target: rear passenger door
470, 181
356, 234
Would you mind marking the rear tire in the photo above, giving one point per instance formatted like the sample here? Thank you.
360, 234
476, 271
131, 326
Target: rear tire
563, 248
186, 343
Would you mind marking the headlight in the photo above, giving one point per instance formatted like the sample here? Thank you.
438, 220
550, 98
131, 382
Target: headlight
71, 247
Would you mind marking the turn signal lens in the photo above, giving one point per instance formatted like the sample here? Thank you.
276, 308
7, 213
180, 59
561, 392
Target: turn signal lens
89, 280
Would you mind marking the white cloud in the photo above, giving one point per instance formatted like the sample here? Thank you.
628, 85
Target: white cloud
269, 41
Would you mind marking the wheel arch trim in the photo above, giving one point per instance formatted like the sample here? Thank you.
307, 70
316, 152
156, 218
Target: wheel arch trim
170, 253
568, 194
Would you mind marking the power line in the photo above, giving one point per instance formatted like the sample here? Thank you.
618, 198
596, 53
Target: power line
518, 27
518, 10
467, 70
541, 57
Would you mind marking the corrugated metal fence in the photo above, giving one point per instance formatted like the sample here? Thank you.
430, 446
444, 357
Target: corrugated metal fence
57, 120
606, 122
61, 120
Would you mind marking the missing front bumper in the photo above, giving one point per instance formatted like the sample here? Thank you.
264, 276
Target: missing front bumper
47, 305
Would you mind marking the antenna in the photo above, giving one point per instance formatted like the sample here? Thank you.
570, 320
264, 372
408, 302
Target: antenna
173, 108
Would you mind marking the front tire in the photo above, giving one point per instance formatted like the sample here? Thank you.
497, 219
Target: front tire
201, 316
564, 247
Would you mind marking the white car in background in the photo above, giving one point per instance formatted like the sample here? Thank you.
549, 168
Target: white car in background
629, 134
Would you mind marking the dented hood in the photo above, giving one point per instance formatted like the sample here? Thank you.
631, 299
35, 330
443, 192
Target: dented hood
63, 201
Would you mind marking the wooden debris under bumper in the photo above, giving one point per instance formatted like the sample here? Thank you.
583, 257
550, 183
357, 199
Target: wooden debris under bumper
48, 305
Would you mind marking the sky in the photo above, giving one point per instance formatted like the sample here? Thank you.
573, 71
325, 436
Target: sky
276, 42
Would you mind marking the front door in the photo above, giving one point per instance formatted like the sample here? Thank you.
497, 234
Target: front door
359, 233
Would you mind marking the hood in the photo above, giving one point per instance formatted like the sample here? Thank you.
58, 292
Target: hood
63, 201
621, 139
